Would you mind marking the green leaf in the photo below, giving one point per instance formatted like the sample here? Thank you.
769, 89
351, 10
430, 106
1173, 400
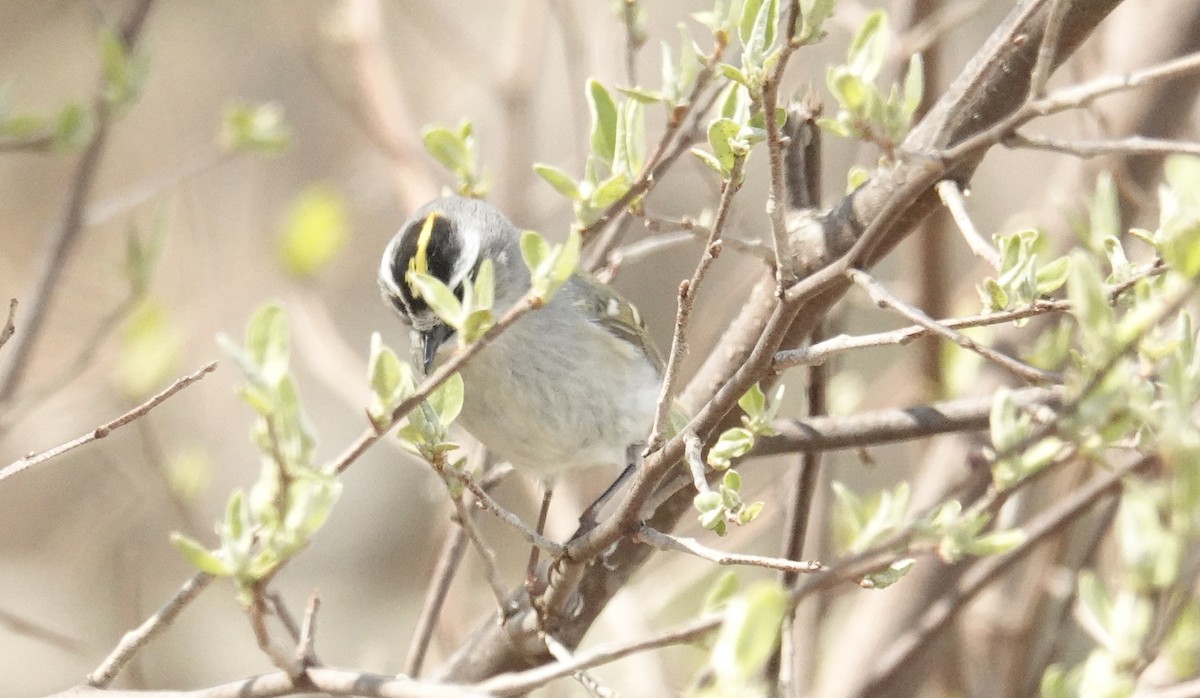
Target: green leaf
706, 502
315, 230
732, 480
267, 342
447, 400
448, 148
813, 16
869, 47
733, 443
438, 295
534, 249
124, 71
390, 378
1052, 276
749, 633
568, 258
721, 132
562, 182
610, 190
997, 542
753, 402
255, 128
142, 254
720, 592
761, 35
914, 86
604, 121
709, 159
485, 286
887, 577
849, 89
199, 556
750, 512
1104, 213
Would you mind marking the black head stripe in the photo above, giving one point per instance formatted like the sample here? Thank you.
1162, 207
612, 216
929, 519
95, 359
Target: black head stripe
441, 251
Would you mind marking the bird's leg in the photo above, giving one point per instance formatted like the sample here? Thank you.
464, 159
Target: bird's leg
534, 585
587, 520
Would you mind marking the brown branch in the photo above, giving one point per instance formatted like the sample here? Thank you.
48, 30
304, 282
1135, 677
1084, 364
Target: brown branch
1133, 145
105, 429
892, 425
886, 299
135, 639
435, 598
62, 240
9, 324
687, 297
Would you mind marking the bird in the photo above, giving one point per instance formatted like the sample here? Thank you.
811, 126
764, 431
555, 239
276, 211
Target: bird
573, 384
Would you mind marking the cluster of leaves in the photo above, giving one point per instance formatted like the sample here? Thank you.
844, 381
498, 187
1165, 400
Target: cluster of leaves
863, 112
723, 506
293, 496
456, 150
1022, 279
618, 152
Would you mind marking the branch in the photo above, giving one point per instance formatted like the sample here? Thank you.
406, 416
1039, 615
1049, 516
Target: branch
105, 429
135, 639
885, 299
1133, 145
891, 425
687, 297
9, 326
952, 197
522, 682
435, 598
62, 240
691, 546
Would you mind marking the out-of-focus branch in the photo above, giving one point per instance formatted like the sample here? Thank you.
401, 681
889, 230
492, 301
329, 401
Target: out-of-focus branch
328, 681
691, 546
1133, 145
62, 239
9, 324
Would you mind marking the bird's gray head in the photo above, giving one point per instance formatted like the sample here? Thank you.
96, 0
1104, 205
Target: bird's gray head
447, 239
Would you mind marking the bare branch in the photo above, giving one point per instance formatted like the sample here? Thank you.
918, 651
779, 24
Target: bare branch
334, 682
885, 299
891, 425
306, 650
663, 541
522, 682
105, 429
487, 557
135, 639
9, 326
952, 197
1133, 145
435, 598
62, 240
687, 297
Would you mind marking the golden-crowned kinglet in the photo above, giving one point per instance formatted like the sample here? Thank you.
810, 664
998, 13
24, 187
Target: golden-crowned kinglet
572, 384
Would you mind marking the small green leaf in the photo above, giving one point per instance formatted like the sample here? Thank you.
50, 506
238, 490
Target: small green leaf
447, 400
813, 16
1052, 276
315, 230
997, 542
199, 556
438, 295
707, 501
914, 85
390, 378
709, 159
267, 342
733, 443
732, 480
753, 402
750, 512
534, 249
124, 71
568, 258
448, 148
869, 47
604, 121
562, 182
885, 578
721, 132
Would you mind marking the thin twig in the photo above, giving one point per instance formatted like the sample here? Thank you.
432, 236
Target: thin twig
485, 501
563, 655
885, 299
687, 297
1048, 50
280, 609
9, 324
104, 430
692, 456
435, 598
279, 656
1073, 97
135, 639
1133, 145
635, 38
306, 647
691, 546
487, 557
320, 680
954, 201
522, 682
752, 248
777, 196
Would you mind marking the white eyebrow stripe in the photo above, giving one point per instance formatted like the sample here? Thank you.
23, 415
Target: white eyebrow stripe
467, 257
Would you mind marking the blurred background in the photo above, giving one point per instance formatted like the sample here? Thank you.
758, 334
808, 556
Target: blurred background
84, 548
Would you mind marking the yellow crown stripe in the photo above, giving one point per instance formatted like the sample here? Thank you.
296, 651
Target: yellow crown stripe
420, 263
